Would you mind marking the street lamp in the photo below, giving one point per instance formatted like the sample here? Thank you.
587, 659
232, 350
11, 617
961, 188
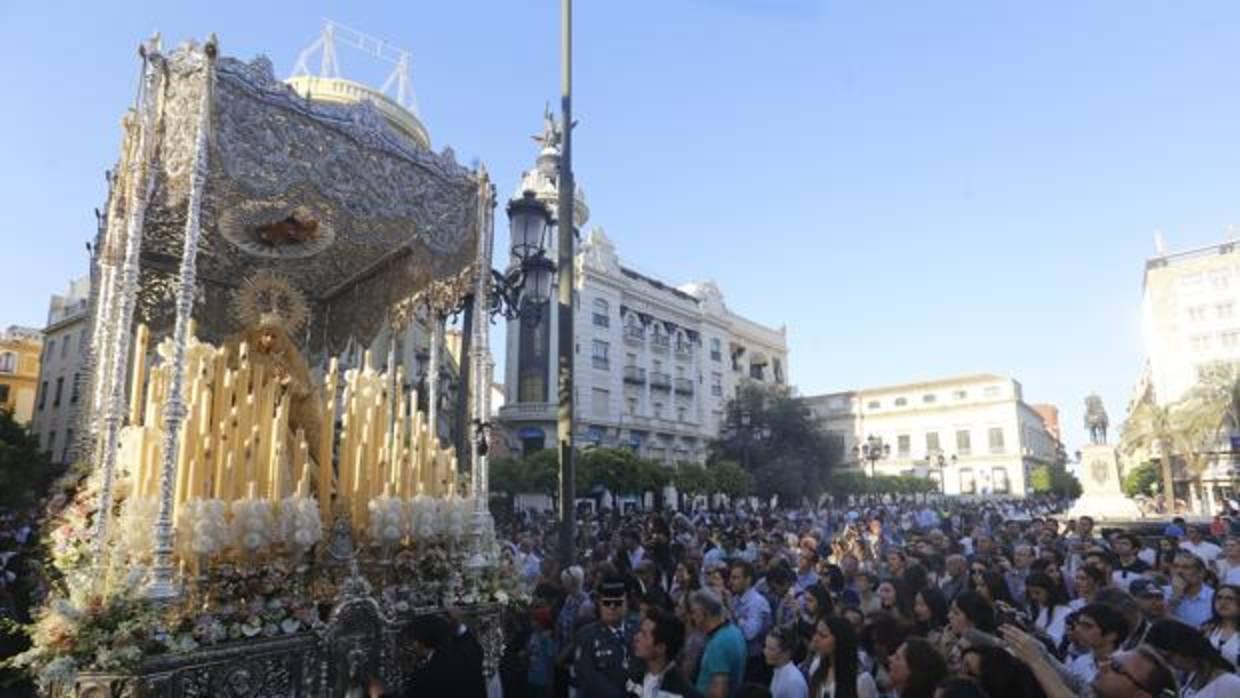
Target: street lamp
744, 428
521, 293
526, 287
874, 450
941, 462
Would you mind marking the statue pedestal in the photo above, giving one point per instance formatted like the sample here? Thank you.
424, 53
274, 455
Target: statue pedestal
1102, 497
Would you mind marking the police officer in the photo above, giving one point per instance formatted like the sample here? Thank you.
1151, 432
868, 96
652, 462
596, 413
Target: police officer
603, 648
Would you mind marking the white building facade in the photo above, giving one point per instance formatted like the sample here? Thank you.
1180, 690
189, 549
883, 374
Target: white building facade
62, 371
1190, 314
654, 366
973, 434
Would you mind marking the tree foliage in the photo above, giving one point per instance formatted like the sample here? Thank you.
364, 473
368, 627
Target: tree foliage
844, 484
729, 478
537, 473
25, 469
618, 470
1054, 479
1141, 480
692, 479
774, 435
1154, 431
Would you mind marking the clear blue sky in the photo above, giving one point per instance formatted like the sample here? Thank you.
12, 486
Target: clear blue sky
915, 188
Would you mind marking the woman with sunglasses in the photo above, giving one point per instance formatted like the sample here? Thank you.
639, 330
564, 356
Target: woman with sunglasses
1207, 674
1223, 628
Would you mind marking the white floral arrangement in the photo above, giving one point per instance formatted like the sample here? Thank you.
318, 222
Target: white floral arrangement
388, 520
456, 512
301, 525
253, 525
136, 525
424, 518
203, 524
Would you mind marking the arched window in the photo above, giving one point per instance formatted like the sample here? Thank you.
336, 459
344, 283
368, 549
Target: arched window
8, 362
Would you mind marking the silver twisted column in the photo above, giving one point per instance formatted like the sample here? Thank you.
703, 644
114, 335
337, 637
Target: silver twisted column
162, 584
116, 332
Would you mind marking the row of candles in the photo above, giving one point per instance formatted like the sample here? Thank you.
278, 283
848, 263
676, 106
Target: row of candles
245, 435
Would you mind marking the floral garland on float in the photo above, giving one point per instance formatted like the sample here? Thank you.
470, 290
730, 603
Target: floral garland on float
252, 570
256, 561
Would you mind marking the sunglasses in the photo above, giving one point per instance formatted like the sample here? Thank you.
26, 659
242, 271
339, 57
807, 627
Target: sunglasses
1115, 666
611, 603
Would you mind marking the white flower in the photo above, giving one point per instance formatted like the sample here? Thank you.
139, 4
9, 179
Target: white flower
253, 525
300, 522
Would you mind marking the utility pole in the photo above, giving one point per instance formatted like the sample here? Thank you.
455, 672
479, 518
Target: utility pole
565, 229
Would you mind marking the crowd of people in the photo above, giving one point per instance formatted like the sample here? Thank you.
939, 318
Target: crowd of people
18, 590
880, 598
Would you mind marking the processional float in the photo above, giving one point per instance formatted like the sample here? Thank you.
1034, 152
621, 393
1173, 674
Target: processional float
258, 519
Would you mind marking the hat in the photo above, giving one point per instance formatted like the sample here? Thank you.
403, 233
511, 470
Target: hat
613, 588
1145, 588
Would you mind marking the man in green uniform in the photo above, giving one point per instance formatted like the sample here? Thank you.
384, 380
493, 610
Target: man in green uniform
603, 648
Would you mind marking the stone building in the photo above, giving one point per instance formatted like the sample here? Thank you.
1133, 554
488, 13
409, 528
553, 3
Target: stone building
655, 363
973, 434
1190, 313
62, 372
19, 371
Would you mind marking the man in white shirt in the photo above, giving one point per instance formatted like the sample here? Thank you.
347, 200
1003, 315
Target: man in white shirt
657, 644
1199, 546
1228, 564
632, 544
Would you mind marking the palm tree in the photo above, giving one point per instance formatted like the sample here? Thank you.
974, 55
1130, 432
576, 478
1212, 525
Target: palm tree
1152, 429
1210, 412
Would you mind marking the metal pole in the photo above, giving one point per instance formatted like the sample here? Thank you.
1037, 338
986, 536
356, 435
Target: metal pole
461, 429
565, 228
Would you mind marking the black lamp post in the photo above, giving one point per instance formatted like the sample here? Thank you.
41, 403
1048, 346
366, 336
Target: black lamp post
520, 293
874, 450
743, 430
940, 461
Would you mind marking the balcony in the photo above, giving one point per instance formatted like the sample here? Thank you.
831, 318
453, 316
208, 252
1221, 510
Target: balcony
684, 386
660, 381
634, 334
600, 362
684, 350
528, 411
635, 375
661, 342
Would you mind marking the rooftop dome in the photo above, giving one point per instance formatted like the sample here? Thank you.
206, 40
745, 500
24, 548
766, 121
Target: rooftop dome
341, 91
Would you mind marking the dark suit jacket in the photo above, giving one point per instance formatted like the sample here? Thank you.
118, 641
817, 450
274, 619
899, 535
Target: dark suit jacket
434, 678
467, 652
